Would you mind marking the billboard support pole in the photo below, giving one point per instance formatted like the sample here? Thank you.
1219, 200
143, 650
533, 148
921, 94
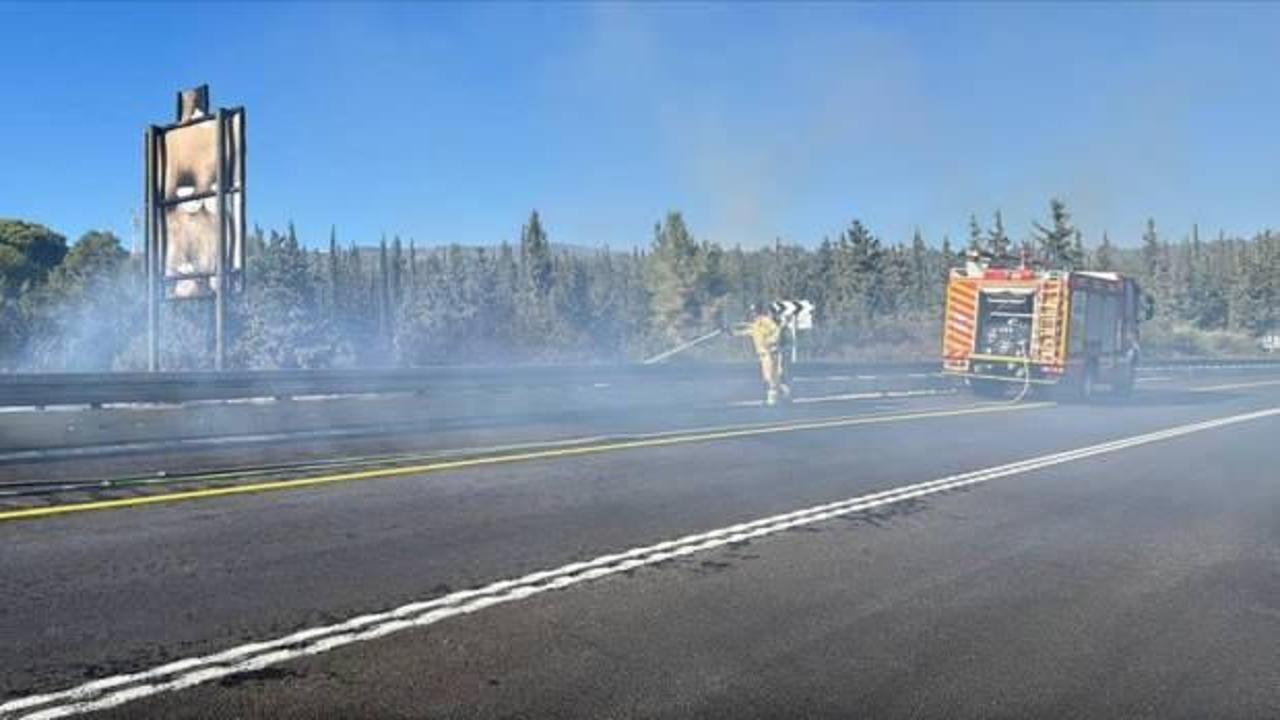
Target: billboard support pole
242, 238
150, 247
220, 266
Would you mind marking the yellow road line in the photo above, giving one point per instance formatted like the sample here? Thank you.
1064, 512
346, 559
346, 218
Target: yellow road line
695, 437
1235, 386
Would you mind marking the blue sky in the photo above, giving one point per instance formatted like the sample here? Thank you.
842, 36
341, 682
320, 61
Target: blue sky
448, 123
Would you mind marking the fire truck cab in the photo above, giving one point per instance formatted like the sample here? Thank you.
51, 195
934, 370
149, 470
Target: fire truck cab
1009, 327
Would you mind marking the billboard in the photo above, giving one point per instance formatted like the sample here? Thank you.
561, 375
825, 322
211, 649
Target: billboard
187, 182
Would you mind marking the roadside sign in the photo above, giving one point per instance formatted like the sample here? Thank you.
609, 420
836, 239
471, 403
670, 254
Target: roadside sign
798, 313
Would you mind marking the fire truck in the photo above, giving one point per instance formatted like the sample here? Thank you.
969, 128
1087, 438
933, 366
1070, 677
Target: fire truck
1009, 328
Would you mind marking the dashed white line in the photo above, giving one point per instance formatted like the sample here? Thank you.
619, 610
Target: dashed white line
1235, 386
120, 689
1236, 366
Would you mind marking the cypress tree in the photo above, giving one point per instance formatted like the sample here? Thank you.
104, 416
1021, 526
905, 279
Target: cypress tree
1152, 255
413, 267
997, 239
397, 266
334, 297
386, 319
535, 256
921, 287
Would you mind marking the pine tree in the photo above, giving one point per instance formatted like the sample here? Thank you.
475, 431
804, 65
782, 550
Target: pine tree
281, 327
397, 266
997, 239
386, 317
1180, 300
570, 300
506, 286
334, 287
305, 308
1105, 257
896, 293
948, 259
922, 294
1237, 306
855, 282
687, 291
1216, 271
533, 310
1153, 266
413, 266
1055, 242
976, 243
1259, 300
535, 257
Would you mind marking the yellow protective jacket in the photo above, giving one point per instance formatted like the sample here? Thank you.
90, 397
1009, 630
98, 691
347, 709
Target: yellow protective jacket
764, 334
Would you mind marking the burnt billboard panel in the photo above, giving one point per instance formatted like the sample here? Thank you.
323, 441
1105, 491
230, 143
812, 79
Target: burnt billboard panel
188, 184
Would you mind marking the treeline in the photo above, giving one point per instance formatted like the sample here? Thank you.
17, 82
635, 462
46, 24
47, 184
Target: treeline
81, 307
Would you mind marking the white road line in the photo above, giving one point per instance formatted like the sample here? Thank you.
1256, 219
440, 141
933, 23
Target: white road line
878, 395
1242, 366
872, 395
120, 689
1235, 386
1154, 379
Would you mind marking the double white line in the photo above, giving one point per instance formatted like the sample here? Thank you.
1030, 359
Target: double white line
114, 691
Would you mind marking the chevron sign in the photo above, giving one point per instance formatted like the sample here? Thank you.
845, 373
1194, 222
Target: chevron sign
798, 311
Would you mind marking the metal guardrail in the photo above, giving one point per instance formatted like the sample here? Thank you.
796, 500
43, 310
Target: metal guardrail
44, 389
178, 387
1210, 363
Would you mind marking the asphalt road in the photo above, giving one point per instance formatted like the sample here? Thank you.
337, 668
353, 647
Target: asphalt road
1137, 579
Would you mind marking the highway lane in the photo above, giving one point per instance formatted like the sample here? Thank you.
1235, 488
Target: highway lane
1112, 588
125, 590
134, 492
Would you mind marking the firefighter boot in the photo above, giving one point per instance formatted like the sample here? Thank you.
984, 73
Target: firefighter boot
784, 392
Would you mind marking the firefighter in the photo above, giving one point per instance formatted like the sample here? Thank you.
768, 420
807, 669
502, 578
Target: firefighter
766, 337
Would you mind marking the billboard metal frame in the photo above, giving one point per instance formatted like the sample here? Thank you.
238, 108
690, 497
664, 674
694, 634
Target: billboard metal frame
229, 257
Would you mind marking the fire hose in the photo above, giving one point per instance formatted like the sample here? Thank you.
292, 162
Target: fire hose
682, 347
1026, 379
